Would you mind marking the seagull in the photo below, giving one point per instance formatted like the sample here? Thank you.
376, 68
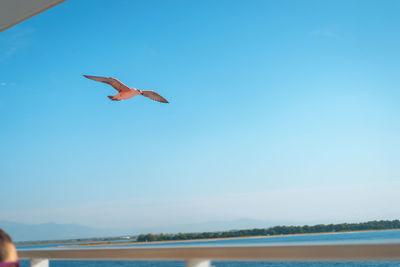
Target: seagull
124, 91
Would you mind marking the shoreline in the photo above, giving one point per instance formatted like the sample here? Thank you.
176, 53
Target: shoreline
212, 239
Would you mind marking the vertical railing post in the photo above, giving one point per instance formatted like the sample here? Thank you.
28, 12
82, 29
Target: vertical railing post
198, 263
39, 262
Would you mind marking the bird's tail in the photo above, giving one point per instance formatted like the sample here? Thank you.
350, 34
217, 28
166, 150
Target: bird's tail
111, 97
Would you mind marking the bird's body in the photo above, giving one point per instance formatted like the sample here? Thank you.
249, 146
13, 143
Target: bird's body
124, 92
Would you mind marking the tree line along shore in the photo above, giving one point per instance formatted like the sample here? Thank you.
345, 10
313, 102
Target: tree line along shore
276, 230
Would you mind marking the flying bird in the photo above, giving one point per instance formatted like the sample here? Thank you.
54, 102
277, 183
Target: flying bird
124, 91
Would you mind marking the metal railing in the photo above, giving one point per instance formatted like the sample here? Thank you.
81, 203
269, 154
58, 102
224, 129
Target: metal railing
202, 256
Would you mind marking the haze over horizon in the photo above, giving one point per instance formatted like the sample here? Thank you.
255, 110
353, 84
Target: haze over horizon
279, 112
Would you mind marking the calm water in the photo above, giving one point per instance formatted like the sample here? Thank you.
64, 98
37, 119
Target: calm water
341, 238
216, 264
336, 238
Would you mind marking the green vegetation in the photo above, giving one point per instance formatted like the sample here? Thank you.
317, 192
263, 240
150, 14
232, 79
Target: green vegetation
276, 230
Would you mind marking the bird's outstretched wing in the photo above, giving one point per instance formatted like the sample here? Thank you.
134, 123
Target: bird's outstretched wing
119, 86
153, 95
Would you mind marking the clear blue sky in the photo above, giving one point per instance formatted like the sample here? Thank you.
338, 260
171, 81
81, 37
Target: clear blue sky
284, 111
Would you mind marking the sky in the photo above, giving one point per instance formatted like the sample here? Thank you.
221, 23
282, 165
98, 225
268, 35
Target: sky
280, 111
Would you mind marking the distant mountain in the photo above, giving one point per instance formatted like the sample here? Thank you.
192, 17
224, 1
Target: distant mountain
53, 231
212, 226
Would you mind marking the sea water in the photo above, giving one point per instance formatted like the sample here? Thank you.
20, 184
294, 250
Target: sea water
219, 264
373, 237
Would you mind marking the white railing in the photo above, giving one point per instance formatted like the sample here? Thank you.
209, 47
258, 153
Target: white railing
202, 256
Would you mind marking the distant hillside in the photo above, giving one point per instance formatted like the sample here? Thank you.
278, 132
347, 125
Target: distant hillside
276, 230
52, 231
212, 226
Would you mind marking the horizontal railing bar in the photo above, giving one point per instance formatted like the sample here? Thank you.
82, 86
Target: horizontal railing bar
267, 253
